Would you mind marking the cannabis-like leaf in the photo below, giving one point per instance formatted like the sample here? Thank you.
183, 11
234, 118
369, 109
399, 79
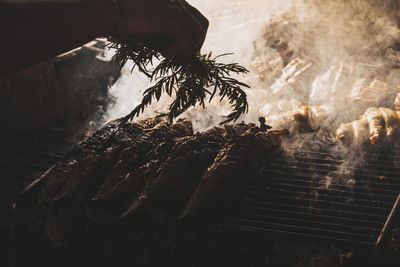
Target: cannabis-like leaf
190, 82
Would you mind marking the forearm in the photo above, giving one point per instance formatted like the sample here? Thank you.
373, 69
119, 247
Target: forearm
36, 30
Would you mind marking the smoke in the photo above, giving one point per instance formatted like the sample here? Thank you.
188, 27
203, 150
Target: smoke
234, 25
315, 64
340, 57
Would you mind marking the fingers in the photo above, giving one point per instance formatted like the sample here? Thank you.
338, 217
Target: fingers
173, 27
196, 13
202, 25
190, 32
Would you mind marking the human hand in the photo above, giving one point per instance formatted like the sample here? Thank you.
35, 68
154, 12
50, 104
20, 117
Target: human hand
173, 27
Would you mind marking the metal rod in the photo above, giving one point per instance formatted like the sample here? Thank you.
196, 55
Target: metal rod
387, 228
303, 222
326, 194
367, 196
258, 204
290, 233
281, 226
330, 155
307, 178
280, 193
325, 171
313, 216
325, 167
321, 185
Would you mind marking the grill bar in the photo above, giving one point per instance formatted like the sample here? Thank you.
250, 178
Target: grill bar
386, 156
319, 195
292, 227
286, 195
381, 187
286, 233
332, 163
315, 217
316, 171
306, 207
304, 222
367, 197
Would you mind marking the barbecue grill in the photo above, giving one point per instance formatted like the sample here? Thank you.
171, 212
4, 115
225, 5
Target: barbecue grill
322, 195
305, 194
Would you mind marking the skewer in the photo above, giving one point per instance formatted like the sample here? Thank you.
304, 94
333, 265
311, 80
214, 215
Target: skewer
387, 228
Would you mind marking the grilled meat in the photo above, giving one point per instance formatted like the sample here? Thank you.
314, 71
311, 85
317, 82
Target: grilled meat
176, 179
153, 144
231, 170
375, 125
355, 132
141, 177
372, 93
397, 102
286, 83
295, 117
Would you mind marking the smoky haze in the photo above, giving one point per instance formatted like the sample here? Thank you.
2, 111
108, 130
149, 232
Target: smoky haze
340, 57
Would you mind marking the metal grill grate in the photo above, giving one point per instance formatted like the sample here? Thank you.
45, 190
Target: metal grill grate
27, 159
320, 195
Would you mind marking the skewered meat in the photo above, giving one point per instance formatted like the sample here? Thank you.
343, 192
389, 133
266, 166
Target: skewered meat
153, 144
373, 93
355, 132
310, 118
324, 86
286, 83
172, 185
87, 170
376, 124
231, 170
267, 68
295, 117
144, 173
397, 102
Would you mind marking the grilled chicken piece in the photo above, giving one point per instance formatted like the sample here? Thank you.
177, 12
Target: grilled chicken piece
236, 130
144, 173
267, 67
295, 117
152, 144
85, 157
225, 179
392, 122
309, 118
372, 93
303, 119
397, 102
355, 132
176, 179
286, 83
84, 170
376, 124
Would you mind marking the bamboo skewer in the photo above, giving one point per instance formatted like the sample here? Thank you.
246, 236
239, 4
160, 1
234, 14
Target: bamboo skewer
387, 228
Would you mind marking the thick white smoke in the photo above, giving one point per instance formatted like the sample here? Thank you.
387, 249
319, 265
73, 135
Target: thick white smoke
337, 56
234, 26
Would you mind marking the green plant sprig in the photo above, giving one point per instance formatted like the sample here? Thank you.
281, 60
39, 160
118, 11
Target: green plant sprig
190, 82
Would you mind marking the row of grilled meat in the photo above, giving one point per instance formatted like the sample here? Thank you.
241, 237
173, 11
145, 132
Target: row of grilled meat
375, 125
147, 167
